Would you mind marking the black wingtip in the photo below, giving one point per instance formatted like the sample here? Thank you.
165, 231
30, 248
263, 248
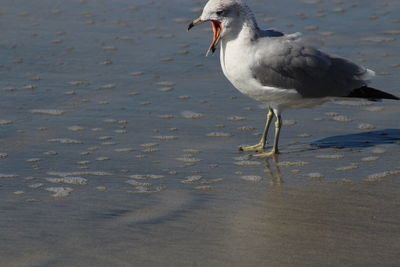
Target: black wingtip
371, 94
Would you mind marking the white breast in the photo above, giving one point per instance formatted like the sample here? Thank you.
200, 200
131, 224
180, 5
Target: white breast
235, 64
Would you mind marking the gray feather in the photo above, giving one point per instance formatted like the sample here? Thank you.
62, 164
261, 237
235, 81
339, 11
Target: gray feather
292, 64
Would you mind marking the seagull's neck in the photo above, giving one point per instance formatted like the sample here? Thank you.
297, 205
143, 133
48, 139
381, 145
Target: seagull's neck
250, 30
236, 46
244, 30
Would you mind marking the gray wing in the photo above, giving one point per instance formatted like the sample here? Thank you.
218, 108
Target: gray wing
292, 64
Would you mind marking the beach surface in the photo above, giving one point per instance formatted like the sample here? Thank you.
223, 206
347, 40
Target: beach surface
119, 141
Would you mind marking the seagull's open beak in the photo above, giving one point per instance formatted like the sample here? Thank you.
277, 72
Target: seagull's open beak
217, 29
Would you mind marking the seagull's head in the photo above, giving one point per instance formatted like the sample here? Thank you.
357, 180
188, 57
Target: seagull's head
223, 15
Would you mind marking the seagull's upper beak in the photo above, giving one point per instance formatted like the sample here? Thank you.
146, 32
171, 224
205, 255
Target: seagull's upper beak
217, 29
194, 23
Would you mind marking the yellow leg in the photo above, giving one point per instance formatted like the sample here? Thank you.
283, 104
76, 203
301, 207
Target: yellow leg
260, 146
275, 150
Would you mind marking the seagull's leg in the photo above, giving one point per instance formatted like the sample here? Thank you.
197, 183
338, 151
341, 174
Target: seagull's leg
278, 126
275, 150
260, 146
270, 116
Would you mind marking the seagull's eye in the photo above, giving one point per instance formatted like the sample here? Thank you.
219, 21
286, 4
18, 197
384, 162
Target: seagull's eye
219, 13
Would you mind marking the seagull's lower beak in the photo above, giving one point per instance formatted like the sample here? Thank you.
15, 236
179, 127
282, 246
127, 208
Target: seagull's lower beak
194, 23
217, 29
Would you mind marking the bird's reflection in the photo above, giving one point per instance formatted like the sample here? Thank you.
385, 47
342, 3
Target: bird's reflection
273, 169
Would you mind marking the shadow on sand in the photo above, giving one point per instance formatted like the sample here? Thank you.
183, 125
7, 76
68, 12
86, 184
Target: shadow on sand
359, 140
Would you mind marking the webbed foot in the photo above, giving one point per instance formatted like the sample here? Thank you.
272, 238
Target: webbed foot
257, 148
271, 153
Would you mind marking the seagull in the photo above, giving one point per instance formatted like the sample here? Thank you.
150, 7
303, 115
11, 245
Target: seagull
281, 70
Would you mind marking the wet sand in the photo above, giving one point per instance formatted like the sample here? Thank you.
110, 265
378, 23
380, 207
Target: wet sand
118, 142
